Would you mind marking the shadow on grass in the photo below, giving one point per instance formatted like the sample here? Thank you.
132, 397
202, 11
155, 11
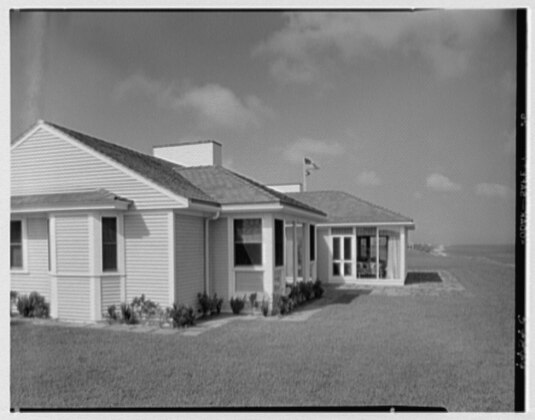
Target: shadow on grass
418, 277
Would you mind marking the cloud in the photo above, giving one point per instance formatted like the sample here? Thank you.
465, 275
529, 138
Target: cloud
369, 178
492, 190
301, 48
212, 104
297, 150
438, 182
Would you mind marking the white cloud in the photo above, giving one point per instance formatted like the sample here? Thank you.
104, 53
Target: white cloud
438, 182
368, 178
443, 39
492, 190
297, 150
212, 104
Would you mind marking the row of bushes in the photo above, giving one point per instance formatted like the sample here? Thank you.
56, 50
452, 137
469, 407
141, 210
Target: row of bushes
297, 294
142, 310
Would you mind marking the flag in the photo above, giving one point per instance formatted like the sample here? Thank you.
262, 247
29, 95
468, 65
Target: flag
310, 165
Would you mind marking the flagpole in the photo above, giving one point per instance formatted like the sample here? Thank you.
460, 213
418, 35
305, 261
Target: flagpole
304, 175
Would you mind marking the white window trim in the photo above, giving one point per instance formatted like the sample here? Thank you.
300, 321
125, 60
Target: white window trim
24, 235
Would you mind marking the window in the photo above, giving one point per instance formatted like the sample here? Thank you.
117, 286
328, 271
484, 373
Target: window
248, 242
109, 244
312, 243
279, 243
16, 244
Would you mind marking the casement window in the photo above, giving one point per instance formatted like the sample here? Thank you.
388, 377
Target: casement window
109, 244
312, 243
279, 243
247, 242
16, 255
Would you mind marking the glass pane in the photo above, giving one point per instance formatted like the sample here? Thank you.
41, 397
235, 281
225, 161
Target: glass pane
248, 254
312, 243
279, 242
363, 250
336, 269
347, 269
16, 232
16, 256
347, 248
109, 257
336, 248
248, 230
289, 251
109, 230
373, 248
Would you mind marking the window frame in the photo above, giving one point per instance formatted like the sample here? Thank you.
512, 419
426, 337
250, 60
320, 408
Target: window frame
257, 263
104, 244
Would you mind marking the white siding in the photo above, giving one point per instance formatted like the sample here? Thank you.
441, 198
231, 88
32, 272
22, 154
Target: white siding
110, 291
322, 254
219, 270
189, 258
45, 164
74, 298
37, 278
72, 244
147, 256
249, 281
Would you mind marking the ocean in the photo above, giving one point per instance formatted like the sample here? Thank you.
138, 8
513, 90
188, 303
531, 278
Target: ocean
504, 254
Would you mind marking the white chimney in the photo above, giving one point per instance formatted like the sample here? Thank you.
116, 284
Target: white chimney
199, 153
287, 188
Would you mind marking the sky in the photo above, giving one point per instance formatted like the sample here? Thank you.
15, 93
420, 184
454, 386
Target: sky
413, 111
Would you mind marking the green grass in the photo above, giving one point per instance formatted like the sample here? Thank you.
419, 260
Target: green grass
454, 350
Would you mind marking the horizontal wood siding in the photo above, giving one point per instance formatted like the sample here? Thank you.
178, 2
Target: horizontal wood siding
249, 281
45, 164
74, 298
189, 258
147, 256
219, 272
72, 244
110, 291
37, 278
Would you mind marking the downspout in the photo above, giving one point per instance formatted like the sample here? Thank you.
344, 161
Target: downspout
207, 250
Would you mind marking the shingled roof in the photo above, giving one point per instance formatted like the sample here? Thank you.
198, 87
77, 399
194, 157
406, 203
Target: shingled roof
159, 171
98, 196
228, 187
342, 207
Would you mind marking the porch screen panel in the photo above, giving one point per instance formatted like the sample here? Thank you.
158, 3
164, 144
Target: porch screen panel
394, 254
289, 251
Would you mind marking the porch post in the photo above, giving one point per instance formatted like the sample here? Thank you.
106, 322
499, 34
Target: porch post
402, 250
376, 253
294, 233
306, 250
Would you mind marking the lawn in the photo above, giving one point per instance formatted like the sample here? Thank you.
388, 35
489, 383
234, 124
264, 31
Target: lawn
454, 350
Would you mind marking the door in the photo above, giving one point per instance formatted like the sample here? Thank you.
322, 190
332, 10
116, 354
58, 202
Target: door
342, 257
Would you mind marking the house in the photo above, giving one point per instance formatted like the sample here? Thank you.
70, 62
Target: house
95, 224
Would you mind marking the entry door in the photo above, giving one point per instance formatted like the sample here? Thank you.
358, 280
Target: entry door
342, 253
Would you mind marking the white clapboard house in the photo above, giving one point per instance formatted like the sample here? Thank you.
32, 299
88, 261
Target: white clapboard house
94, 224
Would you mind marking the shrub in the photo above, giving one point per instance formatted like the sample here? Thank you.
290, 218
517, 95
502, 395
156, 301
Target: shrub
112, 313
318, 289
127, 314
215, 305
144, 308
252, 300
182, 315
237, 304
265, 307
33, 306
205, 304
306, 289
